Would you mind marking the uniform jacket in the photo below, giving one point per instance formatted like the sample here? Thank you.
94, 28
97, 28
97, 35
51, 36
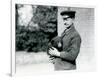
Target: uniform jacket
71, 42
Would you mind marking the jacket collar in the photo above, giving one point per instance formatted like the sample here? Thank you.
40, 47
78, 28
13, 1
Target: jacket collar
67, 31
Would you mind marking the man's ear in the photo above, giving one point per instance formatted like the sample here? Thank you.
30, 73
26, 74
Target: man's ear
73, 20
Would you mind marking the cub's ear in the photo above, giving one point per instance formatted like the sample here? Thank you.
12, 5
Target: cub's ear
52, 41
56, 39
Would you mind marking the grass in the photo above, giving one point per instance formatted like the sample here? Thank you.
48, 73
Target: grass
24, 57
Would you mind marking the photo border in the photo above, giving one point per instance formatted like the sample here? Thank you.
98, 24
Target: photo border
32, 2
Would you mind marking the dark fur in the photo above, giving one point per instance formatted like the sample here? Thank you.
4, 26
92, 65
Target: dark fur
54, 43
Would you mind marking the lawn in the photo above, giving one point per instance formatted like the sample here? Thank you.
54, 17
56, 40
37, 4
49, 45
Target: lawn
32, 62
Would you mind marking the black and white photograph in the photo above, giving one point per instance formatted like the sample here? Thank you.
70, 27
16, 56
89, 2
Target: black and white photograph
50, 38
53, 38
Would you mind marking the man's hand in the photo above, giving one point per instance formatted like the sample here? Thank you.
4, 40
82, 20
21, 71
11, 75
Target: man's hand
54, 52
52, 59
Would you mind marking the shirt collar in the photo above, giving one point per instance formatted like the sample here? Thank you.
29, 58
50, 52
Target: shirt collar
69, 30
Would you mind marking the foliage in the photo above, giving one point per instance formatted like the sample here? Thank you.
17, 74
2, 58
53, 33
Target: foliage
35, 39
46, 18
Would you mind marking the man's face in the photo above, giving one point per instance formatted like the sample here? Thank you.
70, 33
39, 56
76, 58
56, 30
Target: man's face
67, 21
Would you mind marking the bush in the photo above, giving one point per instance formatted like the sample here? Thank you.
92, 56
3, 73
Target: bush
32, 39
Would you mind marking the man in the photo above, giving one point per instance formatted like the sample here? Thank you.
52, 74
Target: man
65, 59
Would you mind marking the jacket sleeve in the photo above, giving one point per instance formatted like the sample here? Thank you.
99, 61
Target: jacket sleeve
72, 52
